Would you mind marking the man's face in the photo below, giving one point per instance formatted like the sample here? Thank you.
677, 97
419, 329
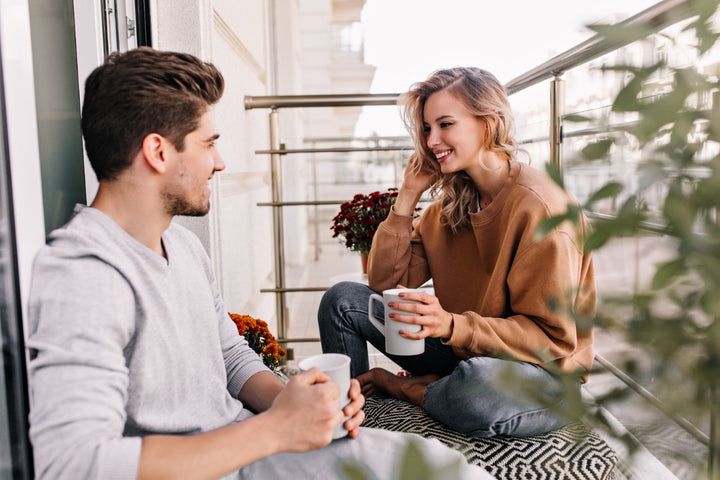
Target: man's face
187, 191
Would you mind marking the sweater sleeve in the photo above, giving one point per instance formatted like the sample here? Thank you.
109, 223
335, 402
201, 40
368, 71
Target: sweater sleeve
80, 323
397, 255
540, 288
241, 361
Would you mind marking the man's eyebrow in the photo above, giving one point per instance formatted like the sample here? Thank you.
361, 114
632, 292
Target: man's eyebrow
213, 138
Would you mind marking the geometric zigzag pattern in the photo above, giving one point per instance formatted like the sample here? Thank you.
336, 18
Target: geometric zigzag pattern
569, 453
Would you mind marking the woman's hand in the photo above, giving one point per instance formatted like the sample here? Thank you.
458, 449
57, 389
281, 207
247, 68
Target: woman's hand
413, 186
414, 180
435, 321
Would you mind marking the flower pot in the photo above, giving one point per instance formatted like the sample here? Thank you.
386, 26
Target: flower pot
364, 262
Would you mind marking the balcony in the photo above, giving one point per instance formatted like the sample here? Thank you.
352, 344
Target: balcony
667, 445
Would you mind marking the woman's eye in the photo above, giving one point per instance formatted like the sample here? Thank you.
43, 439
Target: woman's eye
445, 124
426, 130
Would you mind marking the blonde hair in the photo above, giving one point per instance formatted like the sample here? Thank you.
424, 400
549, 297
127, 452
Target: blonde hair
483, 96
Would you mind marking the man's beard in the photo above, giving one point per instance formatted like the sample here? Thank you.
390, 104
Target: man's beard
177, 205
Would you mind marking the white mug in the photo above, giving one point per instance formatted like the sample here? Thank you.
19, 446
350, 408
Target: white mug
337, 367
395, 344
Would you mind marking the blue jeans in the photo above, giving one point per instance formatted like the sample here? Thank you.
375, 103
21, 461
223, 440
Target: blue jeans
480, 396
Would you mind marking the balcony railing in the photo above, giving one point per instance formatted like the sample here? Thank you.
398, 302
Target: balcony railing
658, 17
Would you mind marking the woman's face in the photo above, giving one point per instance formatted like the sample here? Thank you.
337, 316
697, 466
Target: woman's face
453, 134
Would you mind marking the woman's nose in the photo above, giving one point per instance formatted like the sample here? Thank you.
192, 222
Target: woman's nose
432, 139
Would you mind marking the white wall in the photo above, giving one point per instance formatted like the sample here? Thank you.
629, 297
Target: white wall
237, 233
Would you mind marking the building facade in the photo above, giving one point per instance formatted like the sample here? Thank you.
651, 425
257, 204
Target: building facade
263, 47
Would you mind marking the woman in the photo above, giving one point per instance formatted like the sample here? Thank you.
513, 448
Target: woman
502, 319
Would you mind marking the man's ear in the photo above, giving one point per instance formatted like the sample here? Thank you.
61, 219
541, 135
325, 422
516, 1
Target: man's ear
154, 149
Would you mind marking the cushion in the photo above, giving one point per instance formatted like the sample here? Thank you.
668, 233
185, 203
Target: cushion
571, 452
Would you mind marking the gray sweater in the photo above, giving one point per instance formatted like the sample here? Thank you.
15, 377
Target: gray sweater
124, 343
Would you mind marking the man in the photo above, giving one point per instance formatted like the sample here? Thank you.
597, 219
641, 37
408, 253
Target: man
136, 369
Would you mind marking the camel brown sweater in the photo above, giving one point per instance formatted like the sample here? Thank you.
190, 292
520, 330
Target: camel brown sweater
496, 278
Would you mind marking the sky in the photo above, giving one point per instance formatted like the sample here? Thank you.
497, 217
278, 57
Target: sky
406, 40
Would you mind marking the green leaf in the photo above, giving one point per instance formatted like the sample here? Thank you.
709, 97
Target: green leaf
597, 150
576, 118
611, 189
623, 33
600, 233
627, 99
667, 272
679, 213
414, 465
548, 225
555, 173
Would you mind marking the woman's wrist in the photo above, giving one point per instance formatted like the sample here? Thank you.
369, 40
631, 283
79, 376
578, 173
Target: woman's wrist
406, 201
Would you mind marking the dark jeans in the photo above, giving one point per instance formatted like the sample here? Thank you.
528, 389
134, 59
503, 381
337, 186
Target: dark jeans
480, 396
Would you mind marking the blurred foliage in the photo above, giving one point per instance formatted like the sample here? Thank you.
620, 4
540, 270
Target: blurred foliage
411, 465
677, 317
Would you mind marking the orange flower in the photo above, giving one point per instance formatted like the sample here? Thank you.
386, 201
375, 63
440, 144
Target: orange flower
260, 339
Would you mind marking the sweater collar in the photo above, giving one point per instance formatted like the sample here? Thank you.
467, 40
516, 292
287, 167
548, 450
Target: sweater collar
499, 200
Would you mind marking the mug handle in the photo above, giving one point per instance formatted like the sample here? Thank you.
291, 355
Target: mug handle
371, 316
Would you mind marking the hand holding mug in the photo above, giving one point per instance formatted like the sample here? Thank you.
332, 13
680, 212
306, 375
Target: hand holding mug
354, 410
395, 342
337, 367
426, 312
306, 411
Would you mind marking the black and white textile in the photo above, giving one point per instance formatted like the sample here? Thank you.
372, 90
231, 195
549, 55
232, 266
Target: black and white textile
572, 452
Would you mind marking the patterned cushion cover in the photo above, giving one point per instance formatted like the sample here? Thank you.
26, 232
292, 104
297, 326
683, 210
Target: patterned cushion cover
572, 452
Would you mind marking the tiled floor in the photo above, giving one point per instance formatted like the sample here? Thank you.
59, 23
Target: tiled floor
671, 452
335, 264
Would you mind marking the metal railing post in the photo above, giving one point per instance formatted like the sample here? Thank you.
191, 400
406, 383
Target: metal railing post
714, 454
316, 210
278, 233
557, 110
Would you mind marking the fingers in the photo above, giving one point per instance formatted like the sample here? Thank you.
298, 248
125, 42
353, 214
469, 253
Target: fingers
417, 295
369, 389
362, 379
311, 377
354, 409
353, 425
357, 400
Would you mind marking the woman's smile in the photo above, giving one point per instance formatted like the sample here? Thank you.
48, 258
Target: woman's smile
441, 154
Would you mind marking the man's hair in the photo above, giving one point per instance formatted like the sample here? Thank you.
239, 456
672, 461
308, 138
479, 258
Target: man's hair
143, 91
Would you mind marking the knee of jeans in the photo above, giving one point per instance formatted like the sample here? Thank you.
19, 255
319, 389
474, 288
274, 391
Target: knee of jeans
479, 399
341, 297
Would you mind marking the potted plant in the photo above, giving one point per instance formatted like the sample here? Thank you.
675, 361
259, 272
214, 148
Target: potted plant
260, 340
358, 220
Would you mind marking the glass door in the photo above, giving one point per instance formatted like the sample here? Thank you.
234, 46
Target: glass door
15, 458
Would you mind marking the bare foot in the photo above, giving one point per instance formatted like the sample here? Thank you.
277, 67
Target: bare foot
380, 381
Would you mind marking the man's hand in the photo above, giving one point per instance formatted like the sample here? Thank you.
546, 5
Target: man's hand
354, 409
305, 413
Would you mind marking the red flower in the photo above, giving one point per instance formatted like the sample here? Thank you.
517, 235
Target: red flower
358, 219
